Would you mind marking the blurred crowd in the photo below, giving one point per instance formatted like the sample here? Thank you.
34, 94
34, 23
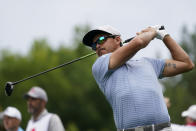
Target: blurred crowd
189, 115
41, 119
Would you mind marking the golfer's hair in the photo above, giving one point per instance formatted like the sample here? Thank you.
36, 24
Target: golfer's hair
121, 44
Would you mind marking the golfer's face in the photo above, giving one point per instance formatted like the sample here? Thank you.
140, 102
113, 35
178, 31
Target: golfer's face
10, 123
34, 105
108, 45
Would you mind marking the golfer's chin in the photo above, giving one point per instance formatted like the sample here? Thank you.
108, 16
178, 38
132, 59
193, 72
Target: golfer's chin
101, 52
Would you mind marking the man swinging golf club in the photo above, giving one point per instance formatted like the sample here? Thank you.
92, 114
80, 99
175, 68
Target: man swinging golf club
131, 86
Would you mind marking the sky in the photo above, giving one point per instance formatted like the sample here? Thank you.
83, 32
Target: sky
23, 21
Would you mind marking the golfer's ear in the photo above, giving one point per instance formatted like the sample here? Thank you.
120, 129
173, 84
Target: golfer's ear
118, 39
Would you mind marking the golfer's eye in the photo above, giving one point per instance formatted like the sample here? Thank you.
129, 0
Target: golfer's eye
101, 40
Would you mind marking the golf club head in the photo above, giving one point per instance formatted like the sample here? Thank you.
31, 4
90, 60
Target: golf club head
9, 88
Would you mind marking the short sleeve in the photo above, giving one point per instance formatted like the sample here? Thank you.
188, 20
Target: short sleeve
158, 66
100, 70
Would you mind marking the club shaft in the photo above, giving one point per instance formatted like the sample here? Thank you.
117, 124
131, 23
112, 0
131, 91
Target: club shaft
54, 68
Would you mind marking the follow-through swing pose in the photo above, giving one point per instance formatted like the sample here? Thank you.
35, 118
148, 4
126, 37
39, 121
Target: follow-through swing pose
131, 86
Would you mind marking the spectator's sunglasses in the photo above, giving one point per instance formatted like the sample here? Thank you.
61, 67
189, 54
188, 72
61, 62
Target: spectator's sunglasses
101, 40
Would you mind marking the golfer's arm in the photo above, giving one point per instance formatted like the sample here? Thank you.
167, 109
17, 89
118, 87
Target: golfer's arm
180, 62
124, 53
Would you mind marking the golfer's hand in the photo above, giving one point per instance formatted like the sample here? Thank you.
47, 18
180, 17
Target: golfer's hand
146, 35
160, 33
149, 30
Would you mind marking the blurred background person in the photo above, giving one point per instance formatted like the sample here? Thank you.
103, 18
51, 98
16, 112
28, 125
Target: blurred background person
1, 122
190, 120
12, 119
167, 102
41, 119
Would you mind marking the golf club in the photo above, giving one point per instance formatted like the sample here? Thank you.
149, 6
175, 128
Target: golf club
9, 86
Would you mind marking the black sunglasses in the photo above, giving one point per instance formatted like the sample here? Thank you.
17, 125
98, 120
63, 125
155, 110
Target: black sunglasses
101, 40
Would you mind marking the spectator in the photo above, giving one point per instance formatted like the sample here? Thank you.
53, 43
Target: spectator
190, 119
12, 119
41, 119
167, 102
1, 122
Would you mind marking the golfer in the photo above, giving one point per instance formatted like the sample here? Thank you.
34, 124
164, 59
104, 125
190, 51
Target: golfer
131, 86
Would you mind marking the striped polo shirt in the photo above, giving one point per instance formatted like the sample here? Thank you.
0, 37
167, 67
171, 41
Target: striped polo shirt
133, 91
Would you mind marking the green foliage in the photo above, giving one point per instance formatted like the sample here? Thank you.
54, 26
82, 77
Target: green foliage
72, 91
181, 89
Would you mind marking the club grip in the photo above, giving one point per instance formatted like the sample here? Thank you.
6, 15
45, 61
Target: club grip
127, 40
162, 27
